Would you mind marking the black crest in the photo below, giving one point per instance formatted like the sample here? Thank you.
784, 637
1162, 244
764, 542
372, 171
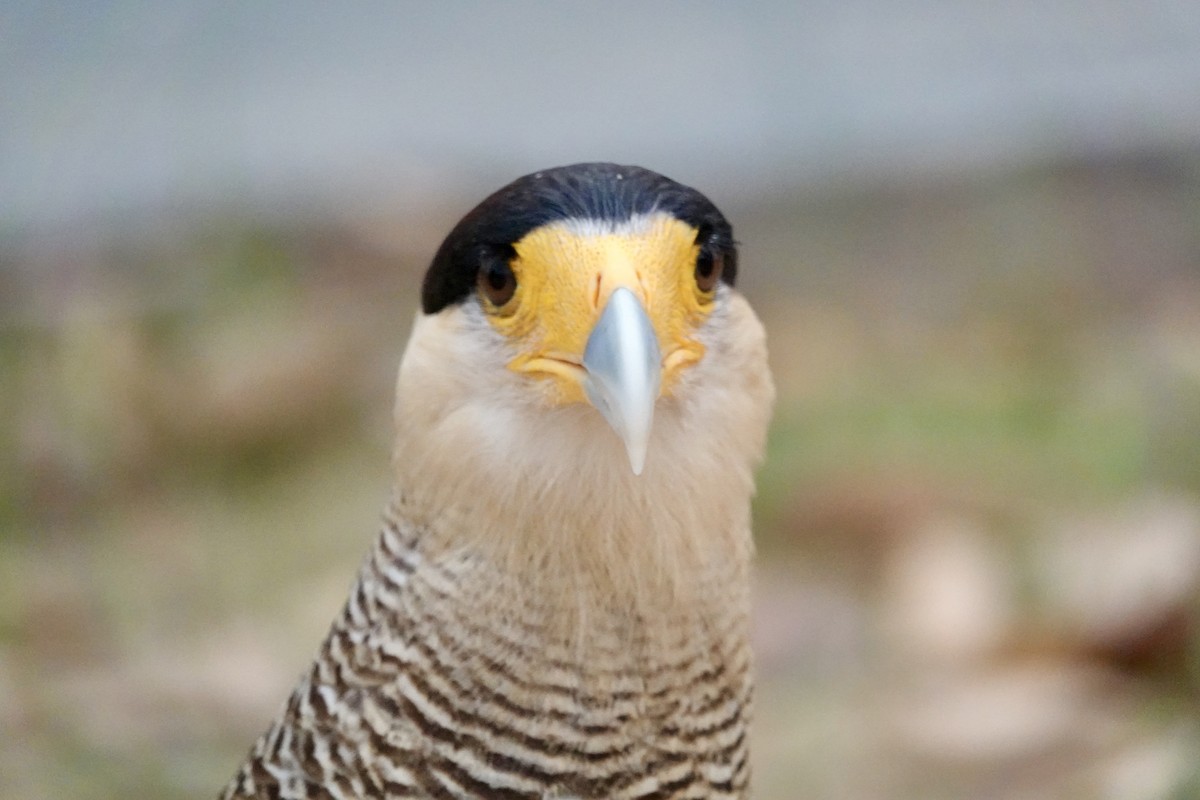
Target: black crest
580, 191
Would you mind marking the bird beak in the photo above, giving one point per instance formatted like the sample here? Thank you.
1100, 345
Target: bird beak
624, 371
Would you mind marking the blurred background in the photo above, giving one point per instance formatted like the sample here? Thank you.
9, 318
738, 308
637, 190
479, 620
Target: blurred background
971, 229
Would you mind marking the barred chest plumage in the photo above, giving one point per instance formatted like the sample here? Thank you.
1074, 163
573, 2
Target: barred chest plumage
443, 679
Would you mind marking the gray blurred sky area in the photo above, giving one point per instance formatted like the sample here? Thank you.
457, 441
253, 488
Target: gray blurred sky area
113, 110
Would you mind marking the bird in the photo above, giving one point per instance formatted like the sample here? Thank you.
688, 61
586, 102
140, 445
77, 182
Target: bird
557, 604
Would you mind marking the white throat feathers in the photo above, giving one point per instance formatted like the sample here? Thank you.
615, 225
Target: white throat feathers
491, 451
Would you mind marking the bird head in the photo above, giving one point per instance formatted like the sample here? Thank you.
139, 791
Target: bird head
592, 284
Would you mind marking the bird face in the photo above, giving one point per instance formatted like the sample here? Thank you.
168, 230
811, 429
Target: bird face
604, 313
562, 277
597, 278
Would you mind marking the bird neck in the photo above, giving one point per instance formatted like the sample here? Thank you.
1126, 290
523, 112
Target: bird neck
544, 494
591, 541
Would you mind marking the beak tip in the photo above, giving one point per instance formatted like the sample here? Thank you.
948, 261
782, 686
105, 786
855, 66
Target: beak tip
637, 459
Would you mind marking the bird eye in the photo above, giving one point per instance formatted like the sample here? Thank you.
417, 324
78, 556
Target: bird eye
496, 280
709, 267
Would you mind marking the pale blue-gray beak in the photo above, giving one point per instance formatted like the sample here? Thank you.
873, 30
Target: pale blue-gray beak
624, 372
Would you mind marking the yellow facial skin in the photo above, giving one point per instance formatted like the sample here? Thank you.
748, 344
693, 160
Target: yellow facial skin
565, 274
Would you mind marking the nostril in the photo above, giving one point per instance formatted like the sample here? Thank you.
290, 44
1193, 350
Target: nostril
596, 290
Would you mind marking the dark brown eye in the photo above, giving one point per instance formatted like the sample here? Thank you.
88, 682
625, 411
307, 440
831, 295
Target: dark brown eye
496, 280
709, 267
